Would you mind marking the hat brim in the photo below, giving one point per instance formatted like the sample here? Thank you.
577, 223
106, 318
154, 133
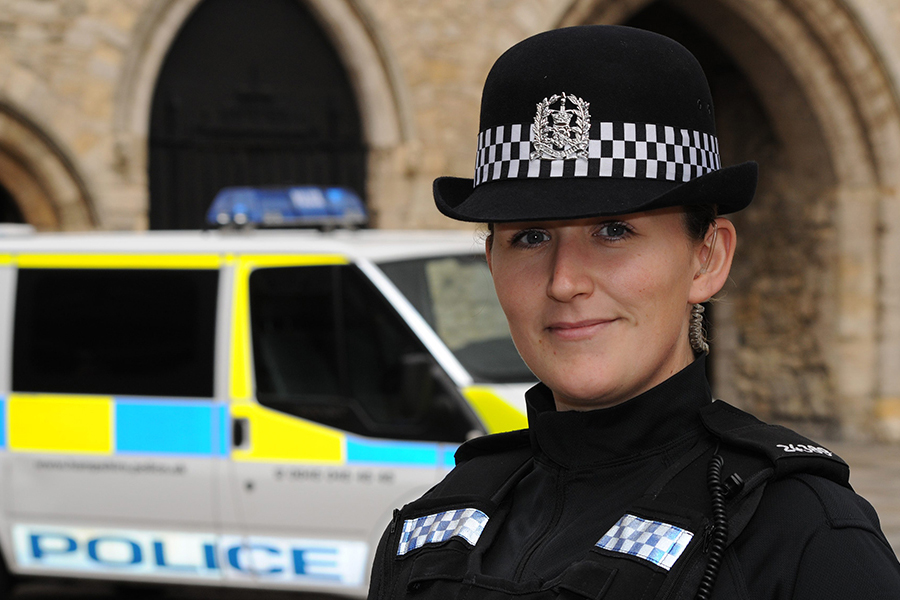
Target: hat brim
731, 189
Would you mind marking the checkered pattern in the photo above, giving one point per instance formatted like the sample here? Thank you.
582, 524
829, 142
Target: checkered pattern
636, 150
659, 543
467, 523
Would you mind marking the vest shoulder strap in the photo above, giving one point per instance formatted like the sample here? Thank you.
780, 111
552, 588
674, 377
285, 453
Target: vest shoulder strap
491, 444
786, 451
487, 467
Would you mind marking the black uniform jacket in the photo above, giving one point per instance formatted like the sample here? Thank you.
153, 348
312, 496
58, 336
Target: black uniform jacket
809, 537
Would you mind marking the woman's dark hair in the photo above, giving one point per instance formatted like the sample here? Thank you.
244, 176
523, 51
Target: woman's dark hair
698, 218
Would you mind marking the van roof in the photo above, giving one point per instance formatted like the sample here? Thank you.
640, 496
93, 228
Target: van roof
373, 244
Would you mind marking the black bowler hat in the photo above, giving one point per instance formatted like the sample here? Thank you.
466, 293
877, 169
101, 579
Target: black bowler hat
594, 120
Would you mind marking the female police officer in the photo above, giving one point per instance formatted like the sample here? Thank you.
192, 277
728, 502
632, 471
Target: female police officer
599, 176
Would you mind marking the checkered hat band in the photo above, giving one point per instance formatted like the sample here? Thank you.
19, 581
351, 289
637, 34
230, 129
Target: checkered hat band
467, 523
615, 149
660, 543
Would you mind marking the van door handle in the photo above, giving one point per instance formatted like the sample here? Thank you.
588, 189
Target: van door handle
240, 433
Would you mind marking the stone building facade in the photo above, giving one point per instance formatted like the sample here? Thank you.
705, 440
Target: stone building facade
807, 332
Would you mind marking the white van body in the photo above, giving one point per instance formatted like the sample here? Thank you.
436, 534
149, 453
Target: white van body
237, 408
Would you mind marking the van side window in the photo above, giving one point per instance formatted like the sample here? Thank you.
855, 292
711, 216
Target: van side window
141, 332
329, 348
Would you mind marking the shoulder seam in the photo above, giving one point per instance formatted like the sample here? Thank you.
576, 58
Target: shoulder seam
834, 522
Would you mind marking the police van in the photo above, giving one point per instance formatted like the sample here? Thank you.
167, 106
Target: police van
237, 408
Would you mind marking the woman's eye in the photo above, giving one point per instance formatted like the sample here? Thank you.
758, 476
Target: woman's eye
615, 230
531, 237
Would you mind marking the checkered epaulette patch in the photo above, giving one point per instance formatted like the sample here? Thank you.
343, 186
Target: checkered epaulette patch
466, 523
654, 541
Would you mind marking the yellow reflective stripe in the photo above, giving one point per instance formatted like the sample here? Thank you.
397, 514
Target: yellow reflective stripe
291, 260
240, 382
5, 259
57, 423
274, 436
240, 378
496, 414
119, 261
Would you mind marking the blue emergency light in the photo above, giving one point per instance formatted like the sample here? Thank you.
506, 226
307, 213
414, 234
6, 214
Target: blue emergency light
298, 206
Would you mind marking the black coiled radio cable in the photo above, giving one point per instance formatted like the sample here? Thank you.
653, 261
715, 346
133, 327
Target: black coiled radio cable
719, 536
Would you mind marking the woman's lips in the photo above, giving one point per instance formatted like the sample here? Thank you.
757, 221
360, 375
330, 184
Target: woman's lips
577, 330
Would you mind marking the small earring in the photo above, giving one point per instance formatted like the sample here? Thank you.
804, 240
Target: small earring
696, 333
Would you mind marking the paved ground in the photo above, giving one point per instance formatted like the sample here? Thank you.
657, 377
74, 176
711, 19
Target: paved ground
874, 473
102, 591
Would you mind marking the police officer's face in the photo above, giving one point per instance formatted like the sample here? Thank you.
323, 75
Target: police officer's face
599, 308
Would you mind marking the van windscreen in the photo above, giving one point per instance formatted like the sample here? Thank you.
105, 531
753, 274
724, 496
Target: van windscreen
455, 295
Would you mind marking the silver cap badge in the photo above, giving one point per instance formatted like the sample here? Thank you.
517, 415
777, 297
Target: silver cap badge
562, 132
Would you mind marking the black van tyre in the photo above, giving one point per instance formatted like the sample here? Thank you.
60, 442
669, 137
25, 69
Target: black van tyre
140, 590
7, 581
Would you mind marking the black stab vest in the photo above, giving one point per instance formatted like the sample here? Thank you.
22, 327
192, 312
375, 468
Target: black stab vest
448, 567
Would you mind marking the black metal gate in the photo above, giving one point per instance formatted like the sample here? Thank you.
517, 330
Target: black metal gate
250, 93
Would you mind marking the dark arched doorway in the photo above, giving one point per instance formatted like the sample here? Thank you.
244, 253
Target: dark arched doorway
9, 210
250, 93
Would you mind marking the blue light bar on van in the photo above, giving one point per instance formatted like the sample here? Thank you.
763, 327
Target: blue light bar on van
306, 206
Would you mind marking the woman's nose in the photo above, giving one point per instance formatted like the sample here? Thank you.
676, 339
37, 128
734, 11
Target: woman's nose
570, 276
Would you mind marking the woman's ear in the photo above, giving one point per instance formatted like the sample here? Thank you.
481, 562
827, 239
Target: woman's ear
487, 252
713, 259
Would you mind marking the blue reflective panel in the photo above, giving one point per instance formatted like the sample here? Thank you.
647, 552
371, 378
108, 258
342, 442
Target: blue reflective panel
223, 441
450, 456
167, 427
403, 453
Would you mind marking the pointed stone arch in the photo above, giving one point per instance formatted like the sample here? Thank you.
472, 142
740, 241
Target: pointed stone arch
833, 106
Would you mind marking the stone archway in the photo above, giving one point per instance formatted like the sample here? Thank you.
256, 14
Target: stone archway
41, 180
249, 95
371, 68
831, 185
